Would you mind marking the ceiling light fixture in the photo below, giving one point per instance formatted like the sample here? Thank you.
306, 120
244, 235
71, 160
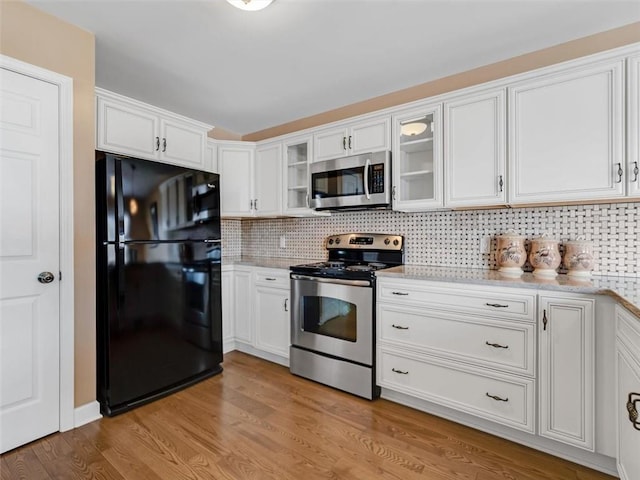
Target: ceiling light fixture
250, 5
415, 128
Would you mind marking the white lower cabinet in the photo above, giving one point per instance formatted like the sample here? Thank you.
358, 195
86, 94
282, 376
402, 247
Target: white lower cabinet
259, 312
463, 350
628, 394
228, 323
567, 369
272, 325
243, 306
529, 360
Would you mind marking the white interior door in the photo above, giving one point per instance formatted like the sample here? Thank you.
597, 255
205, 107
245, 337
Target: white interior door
29, 246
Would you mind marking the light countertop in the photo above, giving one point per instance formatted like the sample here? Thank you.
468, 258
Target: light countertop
626, 290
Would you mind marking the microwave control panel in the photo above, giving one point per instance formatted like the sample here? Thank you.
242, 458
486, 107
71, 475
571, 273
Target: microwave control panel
377, 178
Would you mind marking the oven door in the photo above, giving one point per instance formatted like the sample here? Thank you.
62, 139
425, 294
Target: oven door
333, 317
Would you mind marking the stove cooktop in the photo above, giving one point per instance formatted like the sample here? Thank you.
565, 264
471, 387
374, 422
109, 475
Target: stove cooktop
356, 255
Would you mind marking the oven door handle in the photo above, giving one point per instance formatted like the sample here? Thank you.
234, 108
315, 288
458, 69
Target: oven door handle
338, 281
367, 165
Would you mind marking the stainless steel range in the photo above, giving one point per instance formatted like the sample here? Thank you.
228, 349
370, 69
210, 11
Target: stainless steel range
333, 314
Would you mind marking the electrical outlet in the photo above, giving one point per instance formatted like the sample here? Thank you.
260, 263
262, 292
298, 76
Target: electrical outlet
283, 241
485, 245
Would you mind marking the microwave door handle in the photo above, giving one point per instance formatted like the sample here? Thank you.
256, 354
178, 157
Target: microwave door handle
367, 164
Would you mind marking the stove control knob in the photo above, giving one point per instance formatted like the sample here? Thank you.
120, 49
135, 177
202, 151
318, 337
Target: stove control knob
331, 241
338, 241
396, 242
387, 241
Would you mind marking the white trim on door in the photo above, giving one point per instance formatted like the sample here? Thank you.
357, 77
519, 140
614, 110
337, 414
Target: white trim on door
67, 327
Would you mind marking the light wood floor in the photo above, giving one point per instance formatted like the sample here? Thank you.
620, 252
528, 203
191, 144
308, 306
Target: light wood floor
257, 421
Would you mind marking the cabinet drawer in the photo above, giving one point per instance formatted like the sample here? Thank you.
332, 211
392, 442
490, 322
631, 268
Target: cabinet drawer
498, 344
464, 389
273, 278
461, 298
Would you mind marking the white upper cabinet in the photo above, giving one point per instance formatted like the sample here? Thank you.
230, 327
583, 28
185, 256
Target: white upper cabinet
474, 150
268, 180
297, 155
250, 179
366, 136
417, 159
129, 127
633, 126
566, 135
235, 163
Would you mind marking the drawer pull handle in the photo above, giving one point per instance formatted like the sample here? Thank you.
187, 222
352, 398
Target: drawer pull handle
496, 345
496, 305
544, 319
401, 372
399, 293
271, 279
399, 327
499, 399
633, 409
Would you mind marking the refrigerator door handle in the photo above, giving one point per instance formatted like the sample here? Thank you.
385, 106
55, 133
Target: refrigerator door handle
119, 200
120, 261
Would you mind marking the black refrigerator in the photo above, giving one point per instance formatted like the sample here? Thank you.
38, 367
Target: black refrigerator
159, 316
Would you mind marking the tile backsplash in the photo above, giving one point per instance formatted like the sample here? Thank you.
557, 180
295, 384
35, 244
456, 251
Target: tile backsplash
451, 238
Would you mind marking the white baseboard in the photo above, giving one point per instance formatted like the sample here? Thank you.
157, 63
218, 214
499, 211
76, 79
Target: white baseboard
86, 413
271, 357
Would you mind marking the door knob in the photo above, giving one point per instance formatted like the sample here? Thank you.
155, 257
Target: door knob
45, 277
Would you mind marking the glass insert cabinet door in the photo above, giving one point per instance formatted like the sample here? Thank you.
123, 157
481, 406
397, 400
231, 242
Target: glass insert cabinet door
417, 159
298, 155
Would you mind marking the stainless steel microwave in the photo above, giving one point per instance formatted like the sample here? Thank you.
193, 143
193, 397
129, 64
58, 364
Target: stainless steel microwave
352, 183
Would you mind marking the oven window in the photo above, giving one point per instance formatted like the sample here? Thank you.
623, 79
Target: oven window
338, 183
330, 317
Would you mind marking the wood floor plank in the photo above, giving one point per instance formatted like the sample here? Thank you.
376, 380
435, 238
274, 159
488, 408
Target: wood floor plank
256, 421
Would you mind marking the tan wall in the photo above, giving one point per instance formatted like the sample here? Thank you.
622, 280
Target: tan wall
222, 134
530, 61
32, 36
